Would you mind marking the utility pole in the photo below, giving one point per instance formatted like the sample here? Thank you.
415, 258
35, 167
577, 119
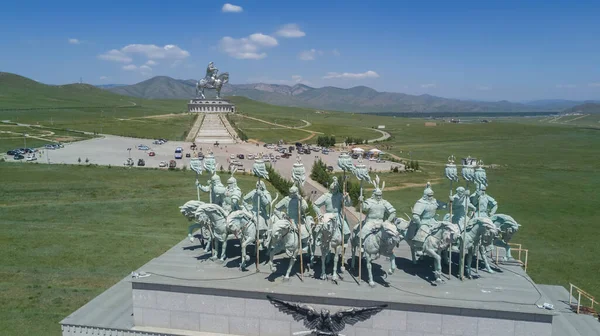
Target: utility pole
25, 139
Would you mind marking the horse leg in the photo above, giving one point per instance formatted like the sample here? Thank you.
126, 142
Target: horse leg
271, 266
507, 255
191, 231
392, 264
290, 265
336, 259
224, 248
485, 259
413, 254
215, 249
468, 262
245, 258
353, 251
437, 263
369, 269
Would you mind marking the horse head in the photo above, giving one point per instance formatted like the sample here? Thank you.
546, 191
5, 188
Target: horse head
507, 225
486, 229
235, 219
327, 222
450, 233
281, 228
224, 78
390, 234
189, 208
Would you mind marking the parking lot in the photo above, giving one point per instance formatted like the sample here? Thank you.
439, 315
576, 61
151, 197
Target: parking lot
113, 150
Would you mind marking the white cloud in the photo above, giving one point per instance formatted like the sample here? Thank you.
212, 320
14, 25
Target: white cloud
483, 88
296, 79
103, 78
594, 85
429, 86
151, 63
290, 30
130, 67
349, 75
247, 47
115, 56
565, 86
263, 40
308, 55
335, 52
74, 41
152, 51
229, 8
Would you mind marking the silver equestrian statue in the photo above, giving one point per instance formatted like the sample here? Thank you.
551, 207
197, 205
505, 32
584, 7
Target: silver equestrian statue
212, 81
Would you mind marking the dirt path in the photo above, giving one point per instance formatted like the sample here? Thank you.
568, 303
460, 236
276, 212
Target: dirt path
384, 135
410, 185
312, 135
300, 128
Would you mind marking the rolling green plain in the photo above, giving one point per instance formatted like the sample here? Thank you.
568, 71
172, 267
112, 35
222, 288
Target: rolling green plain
70, 232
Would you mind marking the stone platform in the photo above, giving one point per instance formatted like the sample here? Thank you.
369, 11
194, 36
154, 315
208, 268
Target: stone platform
211, 106
186, 294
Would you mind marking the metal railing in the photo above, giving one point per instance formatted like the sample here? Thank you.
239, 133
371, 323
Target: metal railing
515, 248
581, 292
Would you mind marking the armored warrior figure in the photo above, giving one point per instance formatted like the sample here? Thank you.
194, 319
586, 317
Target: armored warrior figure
423, 213
290, 203
378, 210
259, 198
211, 73
485, 205
217, 189
232, 196
332, 201
459, 212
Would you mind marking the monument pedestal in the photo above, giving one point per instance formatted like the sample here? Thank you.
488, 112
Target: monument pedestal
211, 106
187, 294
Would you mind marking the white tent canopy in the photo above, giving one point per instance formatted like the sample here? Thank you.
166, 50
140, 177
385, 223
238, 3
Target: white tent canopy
357, 150
375, 150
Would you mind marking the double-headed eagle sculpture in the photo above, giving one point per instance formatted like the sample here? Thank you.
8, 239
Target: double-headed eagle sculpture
324, 323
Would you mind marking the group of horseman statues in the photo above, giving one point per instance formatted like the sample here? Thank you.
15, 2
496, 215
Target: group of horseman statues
471, 227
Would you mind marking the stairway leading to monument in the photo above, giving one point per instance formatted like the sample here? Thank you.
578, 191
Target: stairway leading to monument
568, 323
215, 128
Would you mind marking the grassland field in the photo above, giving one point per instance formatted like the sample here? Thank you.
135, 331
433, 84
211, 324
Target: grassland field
543, 173
70, 232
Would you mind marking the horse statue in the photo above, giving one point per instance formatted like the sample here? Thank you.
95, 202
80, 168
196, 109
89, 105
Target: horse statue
380, 241
284, 237
328, 235
200, 222
431, 241
208, 83
242, 224
479, 231
217, 219
507, 227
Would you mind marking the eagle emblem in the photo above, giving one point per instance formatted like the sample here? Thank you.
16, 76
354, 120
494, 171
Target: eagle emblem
324, 323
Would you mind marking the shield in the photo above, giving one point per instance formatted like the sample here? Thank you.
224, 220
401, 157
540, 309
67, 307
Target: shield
362, 173
196, 165
210, 164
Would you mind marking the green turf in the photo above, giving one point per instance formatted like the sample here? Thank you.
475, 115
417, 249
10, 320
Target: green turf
70, 232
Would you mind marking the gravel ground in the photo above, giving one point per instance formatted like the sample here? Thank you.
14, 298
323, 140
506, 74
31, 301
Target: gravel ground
112, 150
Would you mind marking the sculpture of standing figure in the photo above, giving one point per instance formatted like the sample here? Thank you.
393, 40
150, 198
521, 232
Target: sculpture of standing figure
423, 214
460, 205
232, 196
485, 205
378, 210
260, 199
290, 203
216, 189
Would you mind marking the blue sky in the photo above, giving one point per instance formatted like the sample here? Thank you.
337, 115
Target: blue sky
488, 50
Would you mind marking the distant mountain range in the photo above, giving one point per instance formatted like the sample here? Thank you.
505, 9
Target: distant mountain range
584, 108
356, 99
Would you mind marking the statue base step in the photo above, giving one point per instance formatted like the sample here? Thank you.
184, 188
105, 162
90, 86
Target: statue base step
211, 106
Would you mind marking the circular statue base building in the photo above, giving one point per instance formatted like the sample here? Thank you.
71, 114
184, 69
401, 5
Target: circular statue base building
211, 106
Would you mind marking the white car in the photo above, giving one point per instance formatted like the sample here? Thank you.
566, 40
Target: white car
31, 158
232, 156
162, 164
250, 157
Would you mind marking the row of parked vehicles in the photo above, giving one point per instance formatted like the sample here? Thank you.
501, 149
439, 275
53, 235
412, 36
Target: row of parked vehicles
28, 154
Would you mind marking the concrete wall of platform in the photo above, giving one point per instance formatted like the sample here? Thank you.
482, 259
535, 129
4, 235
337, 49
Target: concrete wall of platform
239, 315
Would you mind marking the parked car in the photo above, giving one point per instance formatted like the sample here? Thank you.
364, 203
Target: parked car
18, 157
187, 155
330, 168
143, 147
172, 164
129, 162
241, 156
200, 156
380, 161
178, 153
31, 158
151, 153
162, 164
178, 156
250, 157
286, 155
141, 162
12, 152
49, 146
232, 156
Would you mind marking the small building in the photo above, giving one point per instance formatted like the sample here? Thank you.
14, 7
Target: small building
430, 123
381, 127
